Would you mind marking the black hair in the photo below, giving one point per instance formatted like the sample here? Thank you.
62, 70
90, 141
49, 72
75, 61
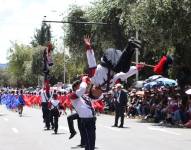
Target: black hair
90, 93
55, 96
75, 83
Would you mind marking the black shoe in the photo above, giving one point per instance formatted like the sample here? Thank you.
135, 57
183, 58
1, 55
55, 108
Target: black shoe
47, 129
120, 127
114, 125
81, 145
134, 43
72, 135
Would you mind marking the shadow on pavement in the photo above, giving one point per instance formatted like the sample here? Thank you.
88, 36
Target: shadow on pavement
58, 133
3, 114
78, 147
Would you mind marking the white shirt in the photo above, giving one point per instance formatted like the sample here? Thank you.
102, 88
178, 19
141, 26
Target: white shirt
55, 103
80, 105
91, 58
44, 97
101, 72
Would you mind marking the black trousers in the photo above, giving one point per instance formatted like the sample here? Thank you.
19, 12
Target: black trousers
55, 115
89, 127
119, 113
124, 62
46, 114
70, 120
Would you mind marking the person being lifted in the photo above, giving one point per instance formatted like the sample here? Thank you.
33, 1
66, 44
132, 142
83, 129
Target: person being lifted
115, 64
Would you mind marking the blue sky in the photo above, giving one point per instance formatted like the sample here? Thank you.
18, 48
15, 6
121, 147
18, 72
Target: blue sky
20, 18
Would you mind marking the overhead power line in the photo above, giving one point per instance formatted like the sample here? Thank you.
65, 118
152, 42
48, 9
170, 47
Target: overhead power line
76, 22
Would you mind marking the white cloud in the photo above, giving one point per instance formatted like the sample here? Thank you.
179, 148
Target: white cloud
20, 18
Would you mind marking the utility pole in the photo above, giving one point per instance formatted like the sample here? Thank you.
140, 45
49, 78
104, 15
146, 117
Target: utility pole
64, 68
137, 56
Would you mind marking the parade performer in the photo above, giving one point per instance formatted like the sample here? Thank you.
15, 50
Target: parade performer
70, 120
115, 64
83, 106
73, 117
45, 93
45, 108
55, 111
21, 103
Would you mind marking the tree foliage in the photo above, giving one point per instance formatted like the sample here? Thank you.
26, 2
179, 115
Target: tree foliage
19, 57
4, 77
42, 35
162, 25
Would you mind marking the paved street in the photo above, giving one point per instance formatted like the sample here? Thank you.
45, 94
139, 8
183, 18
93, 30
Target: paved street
26, 133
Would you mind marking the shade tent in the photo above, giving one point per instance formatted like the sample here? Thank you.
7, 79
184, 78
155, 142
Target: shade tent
153, 78
167, 82
158, 81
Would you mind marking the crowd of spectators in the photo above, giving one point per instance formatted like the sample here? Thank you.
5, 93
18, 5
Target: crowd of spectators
160, 105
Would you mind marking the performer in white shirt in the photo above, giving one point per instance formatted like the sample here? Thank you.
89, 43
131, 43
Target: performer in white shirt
82, 104
54, 111
114, 65
45, 109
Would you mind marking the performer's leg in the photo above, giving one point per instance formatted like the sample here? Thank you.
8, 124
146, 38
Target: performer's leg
70, 120
47, 118
51, 119
55, 124
116, 119
43, 111
122, 120
124, 62
82, 133
89, 127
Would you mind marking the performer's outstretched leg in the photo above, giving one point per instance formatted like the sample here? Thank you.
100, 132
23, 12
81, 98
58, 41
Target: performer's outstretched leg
124, 63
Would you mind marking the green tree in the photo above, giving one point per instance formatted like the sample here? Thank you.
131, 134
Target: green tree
4, 77
19, 55
42, 36
41, 39
75, 32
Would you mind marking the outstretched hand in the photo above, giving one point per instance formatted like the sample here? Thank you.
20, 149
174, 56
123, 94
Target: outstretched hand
86, 79
87, 42
140, 66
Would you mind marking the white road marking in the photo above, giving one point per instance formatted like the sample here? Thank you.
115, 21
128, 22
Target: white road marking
15, 130
163, 130
63, 128
5, 119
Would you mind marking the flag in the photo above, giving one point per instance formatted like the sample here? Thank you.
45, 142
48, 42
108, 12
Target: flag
163, 65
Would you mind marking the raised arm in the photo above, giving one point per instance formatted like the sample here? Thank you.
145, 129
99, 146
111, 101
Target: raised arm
82, 88
90, 56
